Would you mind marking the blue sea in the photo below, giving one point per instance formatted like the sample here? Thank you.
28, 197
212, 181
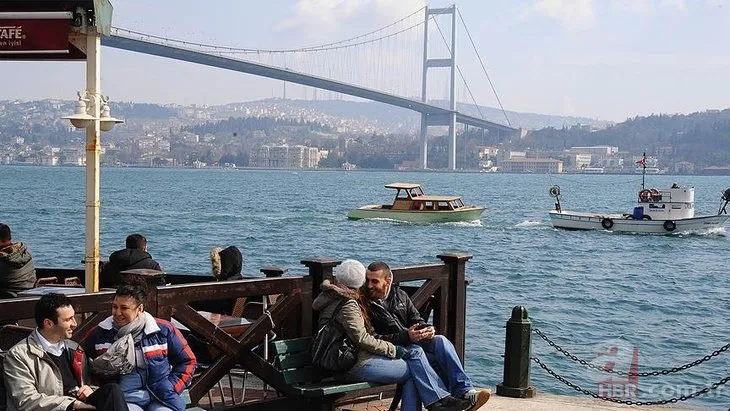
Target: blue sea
664, 298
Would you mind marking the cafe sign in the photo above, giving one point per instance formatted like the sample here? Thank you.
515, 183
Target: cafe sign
34, 32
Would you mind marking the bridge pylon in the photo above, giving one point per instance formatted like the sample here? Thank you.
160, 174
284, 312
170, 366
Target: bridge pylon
442, 119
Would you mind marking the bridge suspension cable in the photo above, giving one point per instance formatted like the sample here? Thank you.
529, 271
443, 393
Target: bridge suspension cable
459, 70
483, 67
321, 47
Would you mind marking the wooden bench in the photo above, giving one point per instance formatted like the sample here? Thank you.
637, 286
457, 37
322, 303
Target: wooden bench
316, 386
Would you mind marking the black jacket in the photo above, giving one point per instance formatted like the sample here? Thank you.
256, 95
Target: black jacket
17, 272
121, 260
392, 319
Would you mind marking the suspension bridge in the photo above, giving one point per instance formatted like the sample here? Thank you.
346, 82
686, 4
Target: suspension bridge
381, 65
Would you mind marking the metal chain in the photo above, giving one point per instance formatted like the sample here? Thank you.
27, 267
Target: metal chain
629, 402
631, 374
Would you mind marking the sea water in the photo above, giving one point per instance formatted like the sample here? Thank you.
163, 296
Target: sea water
657, 301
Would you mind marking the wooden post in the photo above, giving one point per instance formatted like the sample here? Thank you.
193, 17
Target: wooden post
516, 377
320, 269
456, 300
272, 271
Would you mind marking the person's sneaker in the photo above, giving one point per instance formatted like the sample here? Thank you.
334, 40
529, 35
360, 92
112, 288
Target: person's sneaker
477, 398
451, 404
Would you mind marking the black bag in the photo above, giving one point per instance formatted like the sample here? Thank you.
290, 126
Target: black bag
332, 350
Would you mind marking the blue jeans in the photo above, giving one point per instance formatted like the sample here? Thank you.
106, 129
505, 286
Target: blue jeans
420, 382
442, 356
154, 406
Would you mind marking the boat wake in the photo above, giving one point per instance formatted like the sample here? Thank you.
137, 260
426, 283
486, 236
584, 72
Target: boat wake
474, 223
528, 223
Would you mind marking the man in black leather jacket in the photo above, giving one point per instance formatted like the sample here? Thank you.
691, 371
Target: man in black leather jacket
134, 256
396, 319
17, 272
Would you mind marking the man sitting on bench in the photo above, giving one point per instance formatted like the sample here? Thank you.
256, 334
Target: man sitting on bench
397, 320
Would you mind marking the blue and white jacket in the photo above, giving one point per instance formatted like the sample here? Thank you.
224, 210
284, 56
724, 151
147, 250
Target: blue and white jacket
170, 361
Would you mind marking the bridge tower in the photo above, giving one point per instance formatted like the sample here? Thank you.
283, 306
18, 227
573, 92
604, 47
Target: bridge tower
445, 119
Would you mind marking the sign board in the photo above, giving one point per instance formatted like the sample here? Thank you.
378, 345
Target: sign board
37, 36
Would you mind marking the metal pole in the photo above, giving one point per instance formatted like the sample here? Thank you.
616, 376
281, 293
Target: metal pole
452, 92
93, 149
265, 308
516, 381
424, 90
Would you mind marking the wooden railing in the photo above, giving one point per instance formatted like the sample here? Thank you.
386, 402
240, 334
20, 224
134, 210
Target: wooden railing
438, 291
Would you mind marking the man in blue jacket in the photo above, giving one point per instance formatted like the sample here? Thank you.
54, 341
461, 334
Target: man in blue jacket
396, 319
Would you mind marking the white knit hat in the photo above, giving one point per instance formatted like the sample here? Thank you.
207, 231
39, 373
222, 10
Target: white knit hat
351, 273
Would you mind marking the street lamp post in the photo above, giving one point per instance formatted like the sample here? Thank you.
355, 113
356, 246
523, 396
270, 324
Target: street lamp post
93, 118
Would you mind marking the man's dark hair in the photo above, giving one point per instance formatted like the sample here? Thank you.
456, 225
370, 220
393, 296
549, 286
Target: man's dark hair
47, 307
380, 265
5, 233
136, 241
138, 292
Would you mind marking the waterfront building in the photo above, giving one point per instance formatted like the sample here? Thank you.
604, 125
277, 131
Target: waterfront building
532, 165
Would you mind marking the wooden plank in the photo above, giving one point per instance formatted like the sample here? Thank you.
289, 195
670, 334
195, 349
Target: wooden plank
301, 375
294, 360
291, 346
213, 290
424, 272
333, 387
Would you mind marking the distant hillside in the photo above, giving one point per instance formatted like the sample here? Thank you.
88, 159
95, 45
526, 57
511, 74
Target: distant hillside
404, 120
702, 138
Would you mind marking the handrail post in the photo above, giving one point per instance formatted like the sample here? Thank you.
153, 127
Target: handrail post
516, 380
272, 271
320, 269
456, 300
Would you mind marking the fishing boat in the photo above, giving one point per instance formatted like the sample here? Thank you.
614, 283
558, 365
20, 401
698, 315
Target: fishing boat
413, 205
659, 211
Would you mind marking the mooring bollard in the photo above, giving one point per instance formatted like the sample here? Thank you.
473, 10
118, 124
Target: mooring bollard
516, 380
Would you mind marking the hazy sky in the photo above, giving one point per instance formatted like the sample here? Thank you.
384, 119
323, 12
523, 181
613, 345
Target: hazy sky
606, 59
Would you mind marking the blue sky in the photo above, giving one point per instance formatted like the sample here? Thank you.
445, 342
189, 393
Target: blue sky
605, 59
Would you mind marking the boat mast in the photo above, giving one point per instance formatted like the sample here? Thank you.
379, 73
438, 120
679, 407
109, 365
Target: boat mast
643, 170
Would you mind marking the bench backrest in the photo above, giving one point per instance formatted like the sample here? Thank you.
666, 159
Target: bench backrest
294, 359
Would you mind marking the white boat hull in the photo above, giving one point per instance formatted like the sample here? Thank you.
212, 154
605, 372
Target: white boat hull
468, 213
573, 220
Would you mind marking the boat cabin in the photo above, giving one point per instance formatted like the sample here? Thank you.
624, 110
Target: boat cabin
666, 204
411, 197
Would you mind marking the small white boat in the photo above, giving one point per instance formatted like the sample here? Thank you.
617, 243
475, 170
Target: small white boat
411, 204
660, 211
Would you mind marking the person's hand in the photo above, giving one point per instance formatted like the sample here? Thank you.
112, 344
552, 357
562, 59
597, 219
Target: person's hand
84, 392
80, 405
415, 334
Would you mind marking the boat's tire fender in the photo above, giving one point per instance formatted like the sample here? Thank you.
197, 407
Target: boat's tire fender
607, 223
669, 225
646, 217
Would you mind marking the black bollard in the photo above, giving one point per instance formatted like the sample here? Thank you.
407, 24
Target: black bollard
516, 382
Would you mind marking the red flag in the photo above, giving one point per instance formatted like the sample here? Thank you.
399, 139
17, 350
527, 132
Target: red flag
642, 161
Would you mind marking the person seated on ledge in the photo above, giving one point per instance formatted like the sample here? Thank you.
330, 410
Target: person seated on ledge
396, 319
380, 361
226, 265
147, 356
45, 371
17, 272
134, 256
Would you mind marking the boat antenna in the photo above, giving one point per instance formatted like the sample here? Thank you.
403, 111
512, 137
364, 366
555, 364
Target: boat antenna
643, 170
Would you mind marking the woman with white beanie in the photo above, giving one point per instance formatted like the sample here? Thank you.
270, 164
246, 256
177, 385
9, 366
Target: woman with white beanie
380, 361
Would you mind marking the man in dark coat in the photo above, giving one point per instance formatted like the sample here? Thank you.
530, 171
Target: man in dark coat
396, 319
133, 257
17, 272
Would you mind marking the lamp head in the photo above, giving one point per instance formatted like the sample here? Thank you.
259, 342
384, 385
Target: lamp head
106, 121
80, 118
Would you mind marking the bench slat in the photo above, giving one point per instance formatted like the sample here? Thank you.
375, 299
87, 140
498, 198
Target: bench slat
291, 346
321, 389
295, 360
302, 375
